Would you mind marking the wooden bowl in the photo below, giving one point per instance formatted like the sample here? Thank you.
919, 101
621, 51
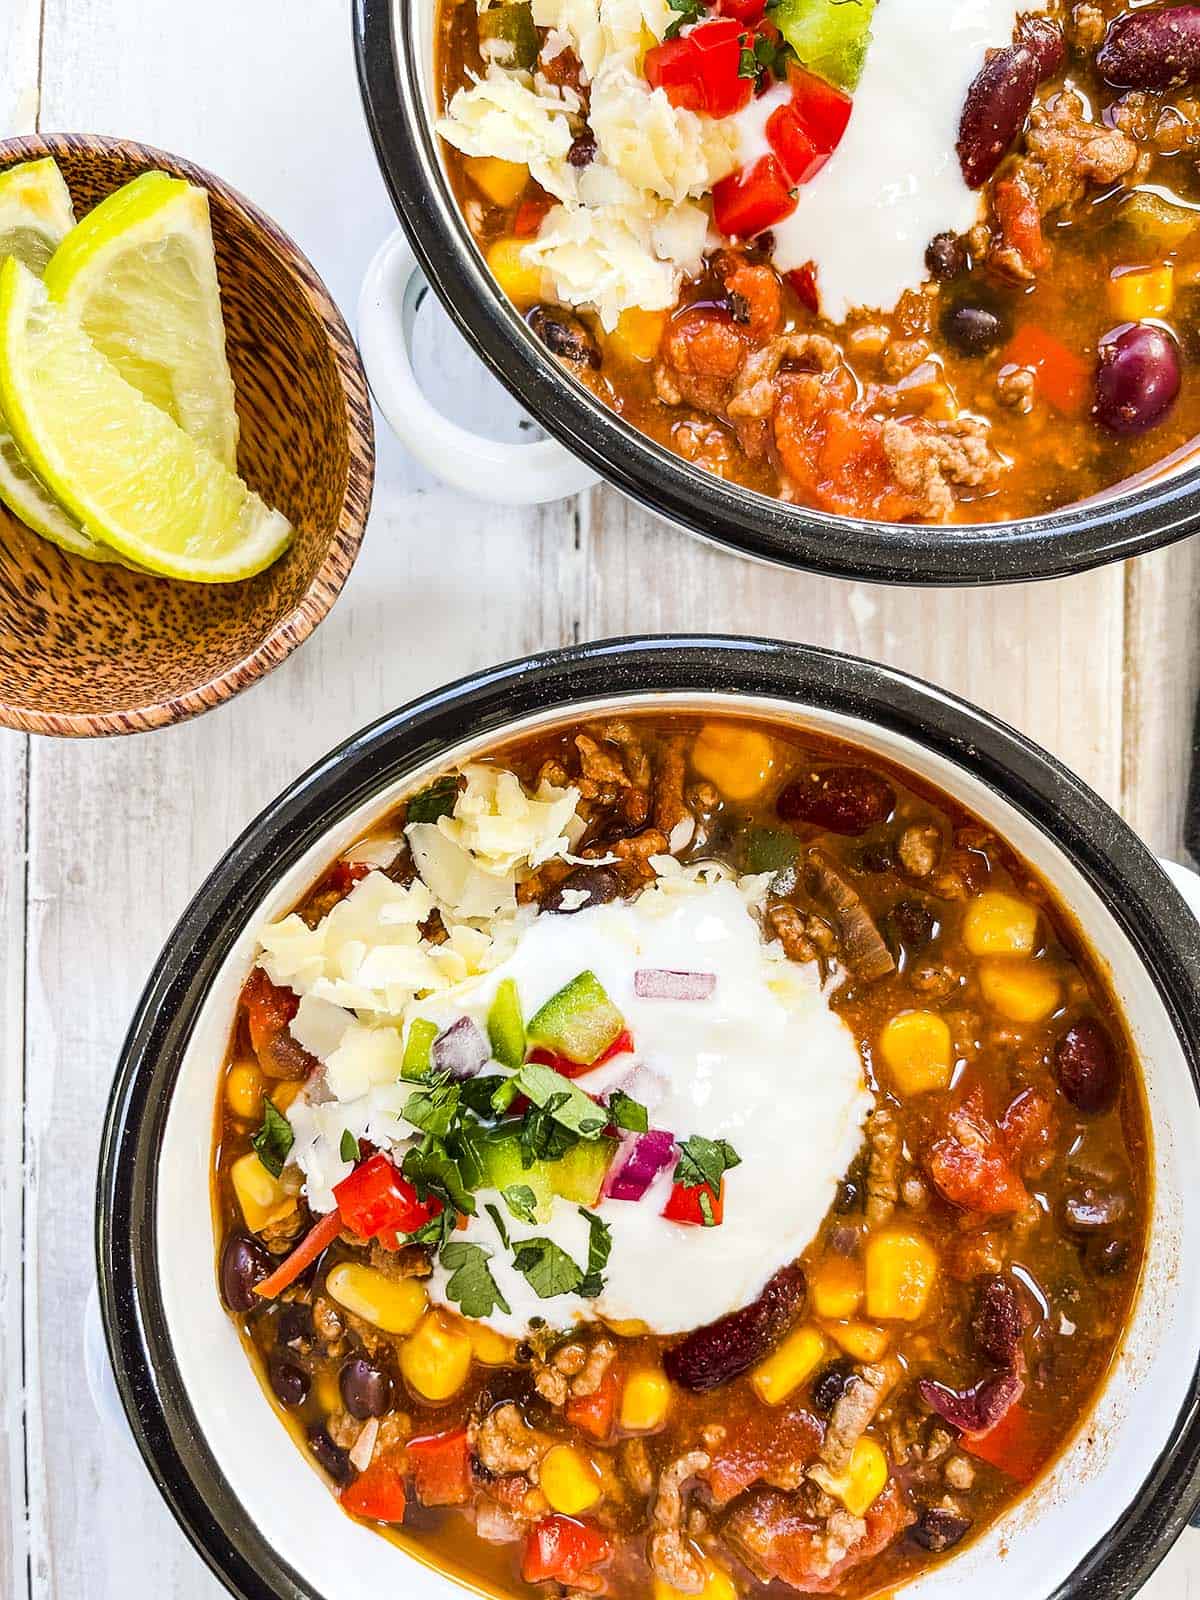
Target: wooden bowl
93, 649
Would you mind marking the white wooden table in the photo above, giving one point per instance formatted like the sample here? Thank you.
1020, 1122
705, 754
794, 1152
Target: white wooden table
103, 842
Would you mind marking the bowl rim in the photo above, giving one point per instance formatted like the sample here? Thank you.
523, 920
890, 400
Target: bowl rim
330, 577
1104, 849
1072, 539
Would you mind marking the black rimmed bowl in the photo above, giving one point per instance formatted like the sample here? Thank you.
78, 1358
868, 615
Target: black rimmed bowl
395, 46
242, 1490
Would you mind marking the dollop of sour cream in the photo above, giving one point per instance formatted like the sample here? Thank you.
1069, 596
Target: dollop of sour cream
764, 1063
894, 182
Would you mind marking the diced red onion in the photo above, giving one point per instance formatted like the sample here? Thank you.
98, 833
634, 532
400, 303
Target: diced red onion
638, 1161
461, 1050
658, 983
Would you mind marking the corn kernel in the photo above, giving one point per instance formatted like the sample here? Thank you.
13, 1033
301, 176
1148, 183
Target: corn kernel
837, 1288
395, 1305
502, 181
786, 1368
739, 761
645, 1400
901, 1271
263, 1199
435, 1360
244, 1090
998, 924
569, 1480
637, 334
328, 1390
1022, 991
718, 1585
628, 1327
916, 1049
520, 282
1143, 294
859, 1340
491, 1349
862, 1482
284, 1091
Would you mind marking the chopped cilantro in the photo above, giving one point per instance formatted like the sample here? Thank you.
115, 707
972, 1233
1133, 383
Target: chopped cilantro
599, 1250
688, 11
434, 1110
494, 1213
349, 1146
476, 1094
703, 1161
747, 64
438, 1231
434, 802
521, 1202
557, 1096
548, 1269
274, 1139
628, 1113
470, 1284
431, 1169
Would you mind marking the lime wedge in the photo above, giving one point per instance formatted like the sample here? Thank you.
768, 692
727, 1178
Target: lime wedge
117, 463
140, 274
35, 216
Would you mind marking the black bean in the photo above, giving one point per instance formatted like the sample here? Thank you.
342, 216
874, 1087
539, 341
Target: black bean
1137, 378
1086, 1066
945, 257
879, 857
334, 1460
1091, 1209
973, 329
1107, 1256
244, 1265
830, 1385
289, 1377
937, 1529
366, 1388
909, 926
294, 1324
601, 884
564, 335
583, 149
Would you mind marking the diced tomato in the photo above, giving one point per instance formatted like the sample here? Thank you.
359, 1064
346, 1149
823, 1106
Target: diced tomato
1020, 222
823, 109
971, 1167
1028, 1125
378, 1493
596, 1413
314, 1243
1062, 376
684, 1204
790, 1546
752, 199
1018, 1444
377, 1202
269, 1008
759, 1444
575, 1069
343, 875
563, 1548
441, 1468
804, 286
700, 70
531, 213
746, 11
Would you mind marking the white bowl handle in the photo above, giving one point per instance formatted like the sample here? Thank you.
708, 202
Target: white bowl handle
507, 474
102, 1385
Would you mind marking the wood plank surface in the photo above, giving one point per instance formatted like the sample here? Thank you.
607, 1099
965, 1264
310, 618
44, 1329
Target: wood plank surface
1100, 669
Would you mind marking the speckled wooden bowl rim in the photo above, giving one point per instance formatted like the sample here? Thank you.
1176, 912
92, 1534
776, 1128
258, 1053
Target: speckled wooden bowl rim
330, 577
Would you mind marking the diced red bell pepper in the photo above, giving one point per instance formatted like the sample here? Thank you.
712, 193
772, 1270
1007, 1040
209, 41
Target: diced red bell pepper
1062, 376
1018, 1444
595, 1413
314, 1243
700, 70
441, 1468
822, 108
1019, 221
531, 213
575, 1069
684, 1204
752, 199
563, 1548
803, 281
269, 1008
377, 1202
378, 1493
794, 146
746, 11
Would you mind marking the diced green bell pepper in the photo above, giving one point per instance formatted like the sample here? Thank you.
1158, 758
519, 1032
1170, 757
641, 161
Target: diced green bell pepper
417, 1046
769, 850
506, 1026
580, 1174
510, 25
829, 36
499, 1157
579, 1022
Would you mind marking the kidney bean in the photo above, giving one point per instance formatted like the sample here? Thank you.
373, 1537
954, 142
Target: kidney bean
289, 1377
366, 1388
840, 799
999, 1320
335, 1461
975, 1409
1158, 49
601, 883
998, 102
244, 1264
1086, 1067
973, 329
721, 1351
830, 1385
937, 1529
1045, 39
1137, 378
